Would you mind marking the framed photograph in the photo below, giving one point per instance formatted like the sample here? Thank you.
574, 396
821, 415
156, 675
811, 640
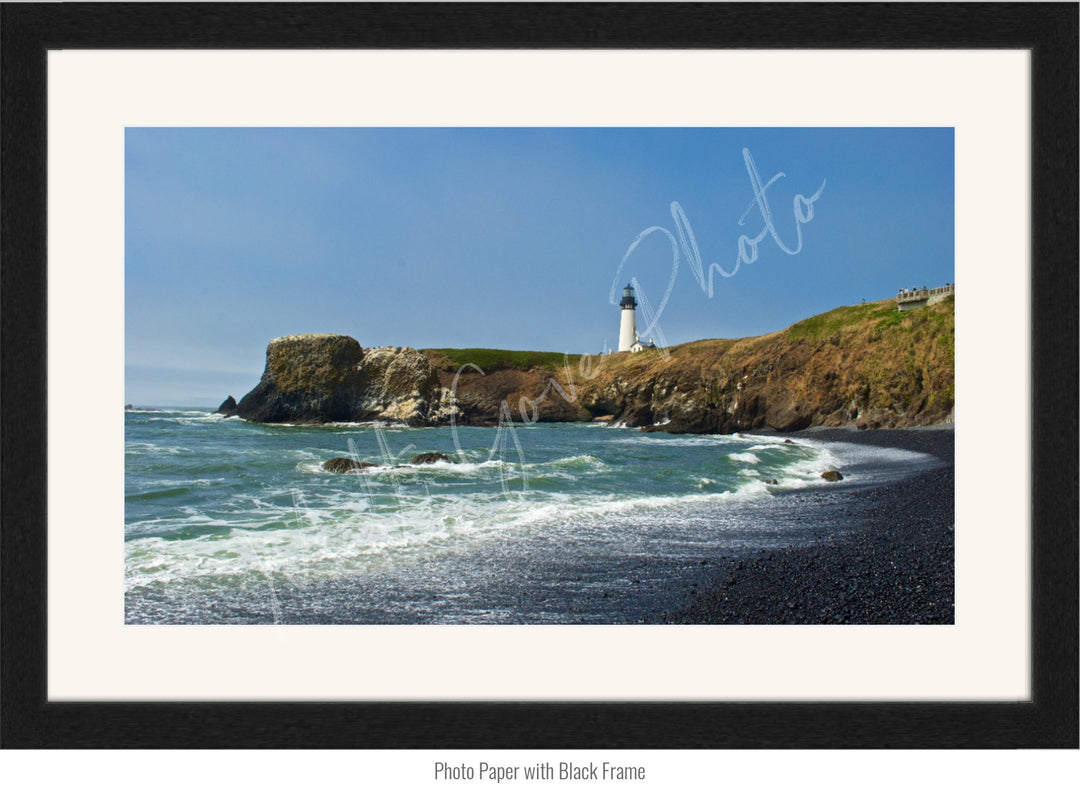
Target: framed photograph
503, 376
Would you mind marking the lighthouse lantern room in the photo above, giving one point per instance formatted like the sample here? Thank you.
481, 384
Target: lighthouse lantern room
628, 323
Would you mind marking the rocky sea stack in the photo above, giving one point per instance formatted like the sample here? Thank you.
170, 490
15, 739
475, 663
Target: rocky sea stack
228, 407
322, 377
315, 377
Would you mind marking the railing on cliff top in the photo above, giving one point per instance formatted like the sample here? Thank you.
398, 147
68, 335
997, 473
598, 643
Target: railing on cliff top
924, 295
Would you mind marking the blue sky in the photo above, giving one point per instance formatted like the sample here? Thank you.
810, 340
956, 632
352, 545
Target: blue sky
508, 238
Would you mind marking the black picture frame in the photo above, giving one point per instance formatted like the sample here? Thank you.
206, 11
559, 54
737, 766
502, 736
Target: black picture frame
29, 720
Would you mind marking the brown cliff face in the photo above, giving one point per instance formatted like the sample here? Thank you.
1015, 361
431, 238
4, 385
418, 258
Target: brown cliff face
868, 365
400, 387
483, 393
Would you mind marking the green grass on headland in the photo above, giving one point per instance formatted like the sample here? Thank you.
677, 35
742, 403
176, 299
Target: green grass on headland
880, 316
824, 325
498, 359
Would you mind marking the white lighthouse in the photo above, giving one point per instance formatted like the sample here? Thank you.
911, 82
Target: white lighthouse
628, 323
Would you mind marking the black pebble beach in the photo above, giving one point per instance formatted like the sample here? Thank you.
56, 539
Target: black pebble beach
893, 563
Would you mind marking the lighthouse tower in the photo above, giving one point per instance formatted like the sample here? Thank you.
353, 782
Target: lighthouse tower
628, 323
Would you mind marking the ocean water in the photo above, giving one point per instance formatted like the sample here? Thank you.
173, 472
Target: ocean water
232, 522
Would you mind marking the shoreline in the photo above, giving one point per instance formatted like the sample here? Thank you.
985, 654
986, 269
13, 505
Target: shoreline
828, 553
893, 564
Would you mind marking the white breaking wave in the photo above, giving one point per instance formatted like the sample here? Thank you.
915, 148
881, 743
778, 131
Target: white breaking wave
744, 457
580, 461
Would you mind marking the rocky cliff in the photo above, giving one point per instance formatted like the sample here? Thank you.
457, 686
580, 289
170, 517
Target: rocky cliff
869, 365
489, 384
318, 378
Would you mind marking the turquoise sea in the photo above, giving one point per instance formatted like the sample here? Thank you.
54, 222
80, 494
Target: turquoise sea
231, 522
